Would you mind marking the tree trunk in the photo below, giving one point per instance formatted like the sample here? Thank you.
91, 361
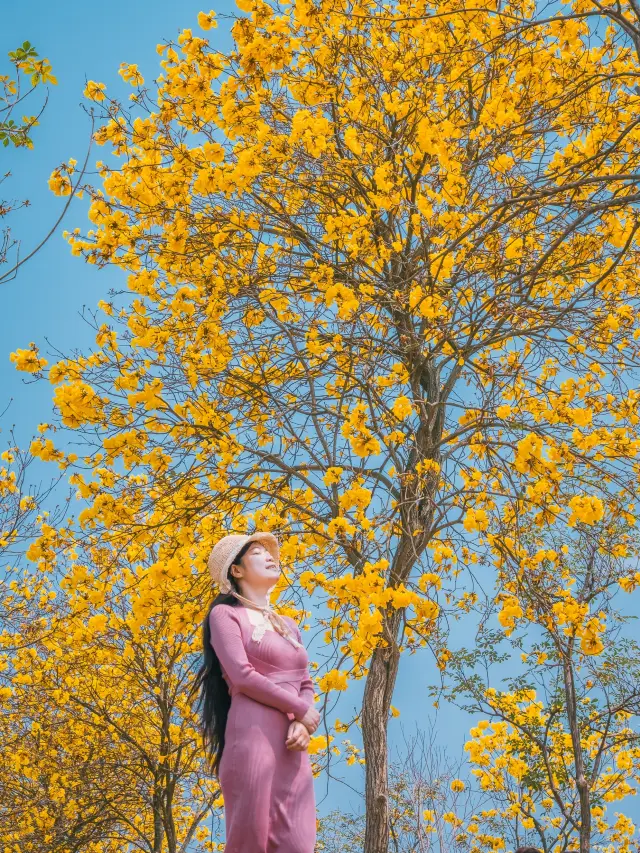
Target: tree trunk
378, 693
156, 804
582, 783
417, 511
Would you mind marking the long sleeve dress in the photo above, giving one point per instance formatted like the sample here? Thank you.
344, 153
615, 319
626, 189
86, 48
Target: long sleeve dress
269, 799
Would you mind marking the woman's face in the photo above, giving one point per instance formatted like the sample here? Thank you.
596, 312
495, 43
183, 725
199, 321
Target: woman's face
258, 570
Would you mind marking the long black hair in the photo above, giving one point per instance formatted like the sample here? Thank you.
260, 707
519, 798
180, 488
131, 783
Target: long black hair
214, 700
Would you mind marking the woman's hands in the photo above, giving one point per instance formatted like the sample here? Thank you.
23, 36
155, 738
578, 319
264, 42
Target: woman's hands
298, 736
299, 732
311, 719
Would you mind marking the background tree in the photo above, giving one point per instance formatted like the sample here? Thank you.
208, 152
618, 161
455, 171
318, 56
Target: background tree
28, 67
30, 73
100, 743
23, 518
429, 805
380, 257
560, 742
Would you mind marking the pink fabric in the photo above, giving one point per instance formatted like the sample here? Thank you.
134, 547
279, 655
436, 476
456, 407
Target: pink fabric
269, 799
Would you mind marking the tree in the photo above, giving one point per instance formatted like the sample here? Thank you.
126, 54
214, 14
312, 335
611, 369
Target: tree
23, 518
30, 73
100, 744
560, 742
379, 256
430, 806
27, 65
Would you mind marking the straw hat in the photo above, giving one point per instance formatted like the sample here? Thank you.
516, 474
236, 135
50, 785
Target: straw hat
225, 550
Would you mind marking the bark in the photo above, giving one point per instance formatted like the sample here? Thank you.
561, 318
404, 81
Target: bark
381, 681
582, 783
417, 513
156, 805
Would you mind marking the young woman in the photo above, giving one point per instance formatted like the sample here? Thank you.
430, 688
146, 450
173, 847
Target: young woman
257, 706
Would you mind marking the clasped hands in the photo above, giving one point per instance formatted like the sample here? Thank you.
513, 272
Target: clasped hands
300, 730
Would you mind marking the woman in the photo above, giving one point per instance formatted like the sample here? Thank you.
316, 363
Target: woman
257, 703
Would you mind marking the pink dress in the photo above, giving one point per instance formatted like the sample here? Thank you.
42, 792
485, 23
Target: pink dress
269, 800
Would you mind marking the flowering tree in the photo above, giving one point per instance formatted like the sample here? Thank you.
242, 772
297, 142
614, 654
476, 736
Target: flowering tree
429, 806
99, 746
29, 67
22, 520
379, 257
30, 72
560, 742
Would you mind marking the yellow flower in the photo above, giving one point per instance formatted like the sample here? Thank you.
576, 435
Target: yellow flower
356, 496
529, 455
130, 74
511, 610
94, 91
590, 642
207, 20
442, 552
332, 476
628, 584
402, 407
457, 786
351, 140
475, 519
585, 508
365, 445
97, 622
344, 297
78, 403
401, 597
45, 450
624, 760
426, 609
427, 136
514, 249
318, 743
59, 184
581, 417
213, 151
341, 526
28, 360
150, 396
427, 465
333, 680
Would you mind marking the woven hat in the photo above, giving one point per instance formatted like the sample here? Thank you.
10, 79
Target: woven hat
225, 550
